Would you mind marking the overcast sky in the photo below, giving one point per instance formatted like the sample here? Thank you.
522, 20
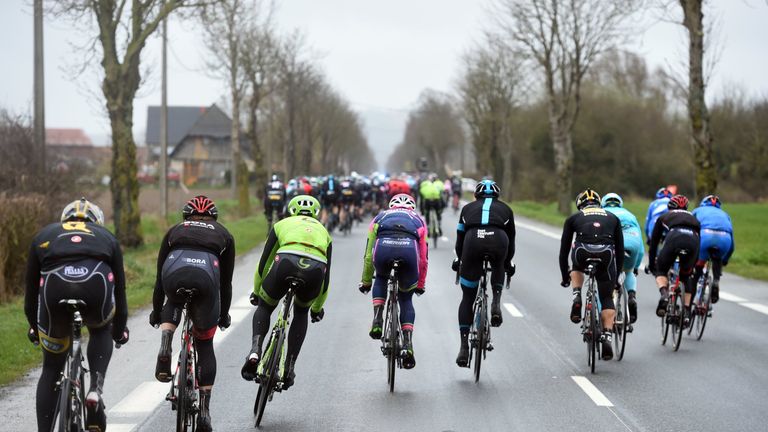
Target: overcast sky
379, 55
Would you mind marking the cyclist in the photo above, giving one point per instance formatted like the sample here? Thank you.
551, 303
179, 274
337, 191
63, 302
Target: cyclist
486, 229
716, 240
598, 235
440, 186
297, 246
657, 208
680, 231
76, 258
274, 198
396, 234
329, 196
397, 186
431, 201
633, 248
199, 254
456, 189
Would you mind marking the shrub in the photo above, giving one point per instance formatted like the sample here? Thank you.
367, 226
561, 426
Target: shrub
20, 218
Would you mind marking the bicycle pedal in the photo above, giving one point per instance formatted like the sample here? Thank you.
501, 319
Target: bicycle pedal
630, 328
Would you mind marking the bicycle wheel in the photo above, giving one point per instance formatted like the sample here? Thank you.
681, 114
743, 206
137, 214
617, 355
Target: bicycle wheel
621, 322
63, 413
677, 321
593, 341
182, 387
702, 309
482, 322
665, 322
394, 343
268, 382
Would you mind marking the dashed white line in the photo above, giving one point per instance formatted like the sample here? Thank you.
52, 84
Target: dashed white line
596, 395
730, 297
756, 307
741, 301
121, 427
514, 311
536, 229
142, 399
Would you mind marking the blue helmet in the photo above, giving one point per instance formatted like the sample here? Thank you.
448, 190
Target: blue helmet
487, 189
710, 201
663, 193
612, 200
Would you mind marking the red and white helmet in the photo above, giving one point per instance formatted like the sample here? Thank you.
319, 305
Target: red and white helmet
402, 201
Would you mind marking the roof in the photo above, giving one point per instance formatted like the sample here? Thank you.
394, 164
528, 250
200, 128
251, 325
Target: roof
212, 123
67, 137
180, 120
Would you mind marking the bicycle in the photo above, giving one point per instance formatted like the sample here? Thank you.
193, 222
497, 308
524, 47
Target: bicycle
69, 414
392, 336
621, 324
184, 386
432, 224
591, 324
701, 302
270, 373
675, 315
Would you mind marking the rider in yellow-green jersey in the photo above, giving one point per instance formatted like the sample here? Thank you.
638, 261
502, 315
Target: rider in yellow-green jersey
298, 246
431, 197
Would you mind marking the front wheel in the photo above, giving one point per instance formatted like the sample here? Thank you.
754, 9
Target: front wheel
269, 380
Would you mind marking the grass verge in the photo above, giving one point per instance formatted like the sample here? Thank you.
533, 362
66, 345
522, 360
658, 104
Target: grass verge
749, 260
17, 355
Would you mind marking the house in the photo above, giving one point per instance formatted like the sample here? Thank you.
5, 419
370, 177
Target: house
200, 149
65, 146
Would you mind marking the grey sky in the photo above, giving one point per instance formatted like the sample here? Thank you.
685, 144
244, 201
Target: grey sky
379, 55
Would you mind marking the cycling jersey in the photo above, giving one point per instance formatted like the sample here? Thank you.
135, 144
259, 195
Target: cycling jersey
429, 191
302, 236
716, 232
60, 244
399, 226
274, 191
680, 230
592, 226
655, 210
456, 185
633, 237
486, 213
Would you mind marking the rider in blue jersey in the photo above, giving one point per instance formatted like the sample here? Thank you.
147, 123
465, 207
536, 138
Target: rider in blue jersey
633, 247
657, 208
716, 240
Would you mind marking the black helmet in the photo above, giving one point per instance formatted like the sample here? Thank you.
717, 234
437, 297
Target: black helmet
587, 198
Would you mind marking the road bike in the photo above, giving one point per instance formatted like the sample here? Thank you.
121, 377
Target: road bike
184, 386
701, 308
434, 229
69, 414
392, 336
675, 316
591, 324
270, 373
621, 325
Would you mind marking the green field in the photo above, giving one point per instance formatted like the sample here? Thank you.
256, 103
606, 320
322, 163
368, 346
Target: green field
17, 355
749, 260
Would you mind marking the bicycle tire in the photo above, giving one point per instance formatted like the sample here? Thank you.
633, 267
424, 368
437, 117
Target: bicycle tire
394, 342
621, 322
677, 324
266, 387
593, 341
63, 406
182, 396
703, 308
481, 341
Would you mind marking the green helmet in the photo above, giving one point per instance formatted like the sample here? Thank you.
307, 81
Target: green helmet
304, 205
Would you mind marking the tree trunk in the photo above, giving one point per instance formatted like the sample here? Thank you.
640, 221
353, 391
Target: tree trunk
239, 173
563, 148
701, 134
124, 184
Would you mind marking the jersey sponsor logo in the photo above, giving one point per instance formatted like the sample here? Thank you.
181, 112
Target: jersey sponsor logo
42, 282
171, 256
481, 233
76, 239
44, 245
75, 271
391, 242
198, 224
194, 261
596, 224
111, 277
215, 263
594, 211
304, 263
75, 226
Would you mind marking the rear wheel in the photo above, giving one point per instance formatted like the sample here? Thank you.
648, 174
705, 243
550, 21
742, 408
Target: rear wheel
63, 413
703, 308
481, 340
182, 393
394, 343
621, 322
677, 320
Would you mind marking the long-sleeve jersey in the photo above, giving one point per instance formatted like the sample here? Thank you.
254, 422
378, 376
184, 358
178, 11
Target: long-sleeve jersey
674, 219
61, 243
629, 223
205, 236
429, 191
302, 236
713, 218
655, 210
591, 225
397, 222
486, 212
274, 190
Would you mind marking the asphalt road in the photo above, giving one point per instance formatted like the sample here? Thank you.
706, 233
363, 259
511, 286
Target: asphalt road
536, 379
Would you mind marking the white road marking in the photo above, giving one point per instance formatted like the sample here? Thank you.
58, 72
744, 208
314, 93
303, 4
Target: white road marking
121, 427
756, 307
545, 233
596, 395
730, 297
143, 399
513, 310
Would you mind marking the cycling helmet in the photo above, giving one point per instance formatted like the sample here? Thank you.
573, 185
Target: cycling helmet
304, 205
84, 210
587, 198
710, 201
663, 193
200, 205
612, 200
402, 201
678, 202
275, 178
487, 189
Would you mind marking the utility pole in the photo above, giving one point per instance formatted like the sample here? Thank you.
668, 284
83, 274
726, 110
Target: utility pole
164, 126
39, 93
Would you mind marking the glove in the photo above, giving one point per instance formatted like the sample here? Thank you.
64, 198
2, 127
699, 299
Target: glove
225, 321
121, 338
364, 287
254, 299
566, 282
419, 291
725, 263
154, 318
33, 336
510, 268
317, 316
455, 265
635, 271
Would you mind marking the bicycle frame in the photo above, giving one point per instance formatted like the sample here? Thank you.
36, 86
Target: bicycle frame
591, 325
480, 331
674, 317
70, 408
184, 385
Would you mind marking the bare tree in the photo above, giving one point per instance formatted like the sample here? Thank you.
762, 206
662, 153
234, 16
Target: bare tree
563, 39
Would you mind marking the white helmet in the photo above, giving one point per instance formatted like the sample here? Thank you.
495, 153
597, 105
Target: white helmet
84, 210
402, 201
